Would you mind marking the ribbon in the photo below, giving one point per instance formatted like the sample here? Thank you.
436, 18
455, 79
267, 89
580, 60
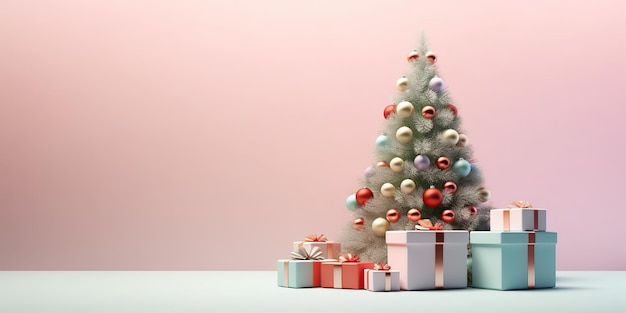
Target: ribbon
387, 277
337, 276
387, 281
521, 204
286, 273
439, 240
531, 260
428, 225
315, 253
315, 238
349, 258
382, 267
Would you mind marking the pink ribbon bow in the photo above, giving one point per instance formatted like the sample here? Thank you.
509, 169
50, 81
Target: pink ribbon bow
315, 238
303, 254
382, 267
520, 204
428, 225
349, 258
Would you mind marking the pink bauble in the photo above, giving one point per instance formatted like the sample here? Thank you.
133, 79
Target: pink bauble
443, 163
450, 187
358, 223
472, 210
413, 56
393, 215
428, 112
448, 216
414, 215
454, 109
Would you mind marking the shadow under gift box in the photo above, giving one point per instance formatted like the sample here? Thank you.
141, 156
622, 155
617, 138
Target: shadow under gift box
345, 275
513, 260
429, 259
299, 273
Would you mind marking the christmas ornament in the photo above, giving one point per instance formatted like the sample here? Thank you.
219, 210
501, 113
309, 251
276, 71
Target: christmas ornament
472, 210
462, 140
413, 56
368, 171
382, 141
475, 170
443, 163
396, 164
428, 112
436, 84
405, 109
461, 167
358, 223
447, 216
421, 162
388, 110
402, 84
380, 226
432, 58
450, 187
450, 136
362, 195
351, 202
388, 190
432, 197
454, 109
414, 215
483, 194
382, 164
404, 134
407, 186
393, 215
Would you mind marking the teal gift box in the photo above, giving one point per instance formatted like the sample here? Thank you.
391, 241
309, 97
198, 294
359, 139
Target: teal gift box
299, 273
513, 260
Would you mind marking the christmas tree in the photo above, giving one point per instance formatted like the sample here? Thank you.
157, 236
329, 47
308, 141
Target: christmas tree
424, 173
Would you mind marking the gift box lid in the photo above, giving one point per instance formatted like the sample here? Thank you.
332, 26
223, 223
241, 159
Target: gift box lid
425, 236
512, 237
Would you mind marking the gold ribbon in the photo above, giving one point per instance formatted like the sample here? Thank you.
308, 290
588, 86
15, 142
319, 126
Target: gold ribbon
315, 238
531, 260
315, 253
439, 240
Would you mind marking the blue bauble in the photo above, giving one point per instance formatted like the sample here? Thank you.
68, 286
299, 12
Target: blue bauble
382, 141
351, 202
475, 170
461, 167
421, 162
436, 84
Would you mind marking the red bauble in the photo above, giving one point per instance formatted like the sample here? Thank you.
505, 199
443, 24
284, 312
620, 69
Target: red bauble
450, 187
393, 215
443, 163
414, 215
428, 112
388, 110
382, 164
362, 195
448, 216
472, 210
454, 109
432, 197
432, 58
413, 56
358, 223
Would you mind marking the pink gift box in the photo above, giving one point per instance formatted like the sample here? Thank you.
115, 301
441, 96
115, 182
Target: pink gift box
376, 280
518, 219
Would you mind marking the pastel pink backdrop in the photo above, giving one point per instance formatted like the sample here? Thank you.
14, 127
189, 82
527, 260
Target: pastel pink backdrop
211, 134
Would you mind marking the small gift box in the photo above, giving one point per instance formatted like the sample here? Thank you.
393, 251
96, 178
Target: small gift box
348, 273
429, 258
513, 260
381, 278
302, 270
330, 249
520, 217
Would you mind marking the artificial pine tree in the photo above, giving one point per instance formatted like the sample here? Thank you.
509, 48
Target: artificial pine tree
424, 173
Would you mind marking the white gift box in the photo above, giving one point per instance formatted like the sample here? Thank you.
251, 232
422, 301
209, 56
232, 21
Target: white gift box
376, 280
518, 219
429, 259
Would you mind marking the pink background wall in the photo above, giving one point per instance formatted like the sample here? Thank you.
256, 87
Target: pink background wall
212, 134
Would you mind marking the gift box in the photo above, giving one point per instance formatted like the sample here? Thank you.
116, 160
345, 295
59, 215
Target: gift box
381, 278
302, 270
513, 260
348, 273
519, 218
330, 249
429, 259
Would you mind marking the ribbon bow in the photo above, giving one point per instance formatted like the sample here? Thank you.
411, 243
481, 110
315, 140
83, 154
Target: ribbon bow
315, 238
349, 258
303, 254
428, 225
382, 267
520, 204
